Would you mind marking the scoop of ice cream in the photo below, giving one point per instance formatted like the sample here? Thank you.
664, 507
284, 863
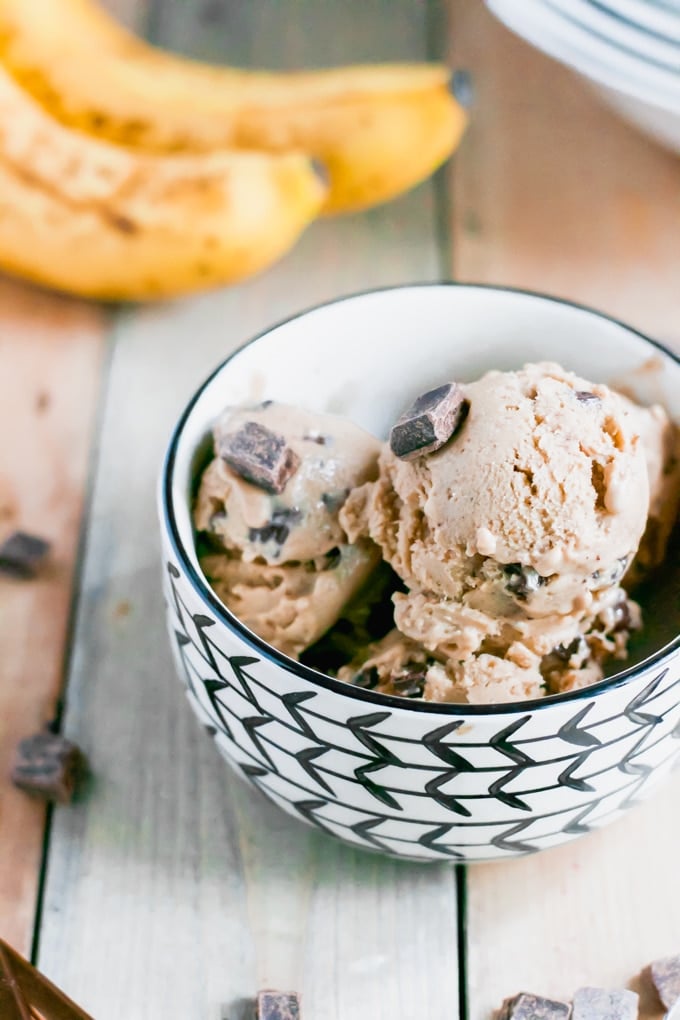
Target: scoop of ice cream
278, 556
301, 522
546, 479
514, 536
290, 606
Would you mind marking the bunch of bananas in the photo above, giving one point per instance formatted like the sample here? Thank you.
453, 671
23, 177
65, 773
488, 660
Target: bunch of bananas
130, 173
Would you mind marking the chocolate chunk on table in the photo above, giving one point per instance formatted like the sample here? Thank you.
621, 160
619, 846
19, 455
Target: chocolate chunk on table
278, 1006
259, 456
605, 1004
25, 994
526, 1006
48, 766
429, 422
22, 554
665, 975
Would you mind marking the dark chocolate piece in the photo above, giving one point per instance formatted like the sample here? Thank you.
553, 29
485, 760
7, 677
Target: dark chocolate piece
259, 456
622, 617
278, 528
532, 1007
49, 766
25, 994
410, 684
610, 575
332, 558
666, 978
429, 422
586, 397
523, 580
367, 679
605, 1004
22, 555
278, 1006
334, 500
316, 437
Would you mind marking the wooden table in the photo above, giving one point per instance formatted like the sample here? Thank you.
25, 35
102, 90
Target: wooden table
169, 890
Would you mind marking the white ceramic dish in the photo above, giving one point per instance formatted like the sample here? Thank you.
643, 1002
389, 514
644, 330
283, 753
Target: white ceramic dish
642, 94
661, 19
408, 778
620, 32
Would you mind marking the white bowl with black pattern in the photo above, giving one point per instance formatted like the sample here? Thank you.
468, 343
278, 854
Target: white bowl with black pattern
403, 777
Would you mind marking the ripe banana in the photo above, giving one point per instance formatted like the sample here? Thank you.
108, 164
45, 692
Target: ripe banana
378, 129
101, 221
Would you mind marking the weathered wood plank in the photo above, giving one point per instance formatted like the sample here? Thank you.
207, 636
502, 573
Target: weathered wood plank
50, 353
552, 192
173, 890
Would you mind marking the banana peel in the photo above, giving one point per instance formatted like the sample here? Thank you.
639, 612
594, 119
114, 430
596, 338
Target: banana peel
378, 129
82, 215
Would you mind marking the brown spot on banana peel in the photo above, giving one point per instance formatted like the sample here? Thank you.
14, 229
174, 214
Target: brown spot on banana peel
326, 114
116, 220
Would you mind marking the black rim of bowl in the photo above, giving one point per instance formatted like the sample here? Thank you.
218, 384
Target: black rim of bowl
342, 687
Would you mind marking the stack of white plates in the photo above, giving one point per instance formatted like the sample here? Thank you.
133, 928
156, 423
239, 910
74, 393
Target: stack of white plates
629, 49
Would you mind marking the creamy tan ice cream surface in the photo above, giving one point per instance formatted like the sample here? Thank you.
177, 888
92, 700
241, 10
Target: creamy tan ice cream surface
281, 560
512, 539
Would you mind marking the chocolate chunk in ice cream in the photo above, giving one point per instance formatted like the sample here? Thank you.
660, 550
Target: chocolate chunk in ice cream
665, 974
259, 456
278, 1006
523, 581
22, 554
278, 528
411, 684
586, 397
428, 422
604, 1004
526, 1006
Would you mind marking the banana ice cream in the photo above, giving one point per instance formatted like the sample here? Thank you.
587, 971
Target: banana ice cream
516, 512
513, 538
267, 510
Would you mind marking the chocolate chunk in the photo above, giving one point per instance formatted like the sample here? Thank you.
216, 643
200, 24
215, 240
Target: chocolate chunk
332, 558
410, 684
623, 619
259, 456
666, 978
566, 652
316, 437
532, 1007
429, 422
610, 575
522, 580
603, 1004
278, 1006
586, 397
25, 994
278, 528
367, 679
334, 500
48, 766
22, 555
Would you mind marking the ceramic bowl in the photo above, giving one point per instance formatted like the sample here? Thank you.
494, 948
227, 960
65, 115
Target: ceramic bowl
633, 68
408, 778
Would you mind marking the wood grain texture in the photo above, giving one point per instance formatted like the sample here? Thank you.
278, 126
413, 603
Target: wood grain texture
174, 890
50, 352
552, 192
